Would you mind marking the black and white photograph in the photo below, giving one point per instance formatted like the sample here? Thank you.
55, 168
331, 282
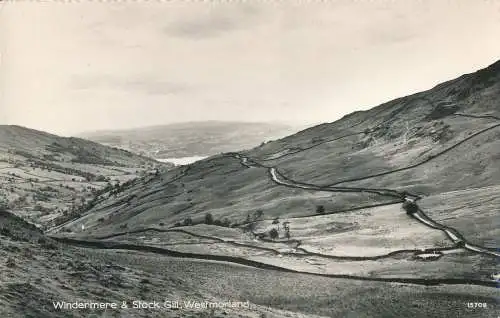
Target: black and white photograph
250, 158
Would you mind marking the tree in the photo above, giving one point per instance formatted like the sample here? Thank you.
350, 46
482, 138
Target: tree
273, 233
286, 226
209, 219
410, 207
276, 221
320, 209
226, 222
258, 214
249, 227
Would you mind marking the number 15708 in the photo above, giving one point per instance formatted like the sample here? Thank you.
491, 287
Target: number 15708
477, 305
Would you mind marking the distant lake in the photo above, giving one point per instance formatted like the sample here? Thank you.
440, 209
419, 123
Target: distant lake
183, 160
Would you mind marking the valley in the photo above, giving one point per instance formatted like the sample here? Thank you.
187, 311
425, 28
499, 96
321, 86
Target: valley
390, 212
182, 143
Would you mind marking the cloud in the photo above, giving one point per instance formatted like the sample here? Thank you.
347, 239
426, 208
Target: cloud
214, 21
145, 84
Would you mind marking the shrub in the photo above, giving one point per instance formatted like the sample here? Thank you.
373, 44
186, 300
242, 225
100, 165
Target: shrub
5, 231
226, 222
162, 224
258, 214
273, 233
42, 240
250, 227
10, 262
410, 207
320, 209
287, 233
209, 219
124, 226
187, 221
100, 178
48, 244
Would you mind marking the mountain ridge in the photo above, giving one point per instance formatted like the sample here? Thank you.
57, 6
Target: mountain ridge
188, 139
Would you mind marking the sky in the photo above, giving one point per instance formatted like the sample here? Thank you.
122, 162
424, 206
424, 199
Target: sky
73, 66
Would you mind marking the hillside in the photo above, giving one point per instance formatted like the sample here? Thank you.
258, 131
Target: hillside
48, 178
328, 200
37, 272
191, 139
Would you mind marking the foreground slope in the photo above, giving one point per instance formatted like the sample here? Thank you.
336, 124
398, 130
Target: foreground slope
44, 176
36, 271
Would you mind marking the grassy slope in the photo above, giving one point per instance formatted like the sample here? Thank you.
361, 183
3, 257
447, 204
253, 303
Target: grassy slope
42, 175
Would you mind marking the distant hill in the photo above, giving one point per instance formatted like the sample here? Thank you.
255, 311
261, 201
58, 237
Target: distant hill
44, 176
205, 138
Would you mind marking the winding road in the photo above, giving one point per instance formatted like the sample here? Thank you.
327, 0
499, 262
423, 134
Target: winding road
277, 177
420, 216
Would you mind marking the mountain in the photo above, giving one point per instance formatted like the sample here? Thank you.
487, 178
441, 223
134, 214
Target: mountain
205, 138
398, 197
48, 178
